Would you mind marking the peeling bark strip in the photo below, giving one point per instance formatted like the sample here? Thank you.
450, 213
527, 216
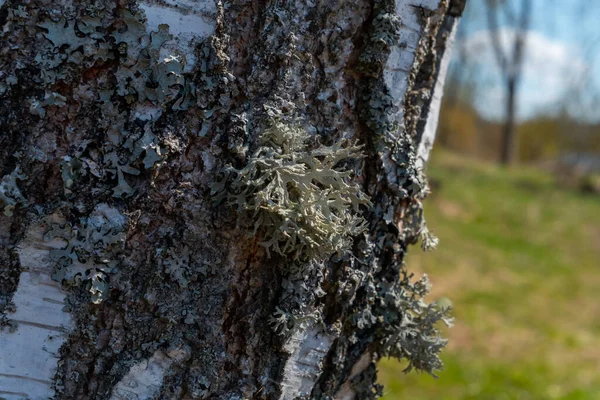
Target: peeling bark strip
302, 369
125, 272
39, 326
144, 380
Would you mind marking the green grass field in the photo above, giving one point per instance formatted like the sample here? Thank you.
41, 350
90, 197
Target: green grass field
520, 260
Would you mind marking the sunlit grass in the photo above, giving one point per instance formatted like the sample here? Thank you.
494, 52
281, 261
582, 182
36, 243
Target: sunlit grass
520, 260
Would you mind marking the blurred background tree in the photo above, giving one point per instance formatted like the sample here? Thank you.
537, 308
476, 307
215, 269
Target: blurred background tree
510, 60
523, 85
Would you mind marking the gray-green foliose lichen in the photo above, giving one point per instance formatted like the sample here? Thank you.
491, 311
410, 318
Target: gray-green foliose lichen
415, 335
144, 73
301, 200
149, 77
178, 266
91, 251
384, 34
10, 195
299, 303
37, 107
393, 316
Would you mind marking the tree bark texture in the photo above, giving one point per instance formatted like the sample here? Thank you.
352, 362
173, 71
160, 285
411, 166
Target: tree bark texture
123, 275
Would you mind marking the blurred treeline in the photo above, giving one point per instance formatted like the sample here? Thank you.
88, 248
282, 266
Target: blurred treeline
543, 139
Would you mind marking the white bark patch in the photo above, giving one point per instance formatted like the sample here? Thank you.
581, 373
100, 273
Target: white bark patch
402, 56
308, 347
436, 103
189, 22
29, 355
144, 380
400, 62
346, 392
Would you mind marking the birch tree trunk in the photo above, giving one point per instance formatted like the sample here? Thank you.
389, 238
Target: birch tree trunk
126, 272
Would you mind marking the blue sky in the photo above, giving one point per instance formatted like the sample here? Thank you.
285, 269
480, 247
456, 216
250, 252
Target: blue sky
561, 65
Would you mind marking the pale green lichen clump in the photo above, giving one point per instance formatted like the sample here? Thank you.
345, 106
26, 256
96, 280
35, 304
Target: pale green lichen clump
302, 200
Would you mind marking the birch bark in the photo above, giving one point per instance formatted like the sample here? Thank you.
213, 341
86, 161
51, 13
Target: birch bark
121, 276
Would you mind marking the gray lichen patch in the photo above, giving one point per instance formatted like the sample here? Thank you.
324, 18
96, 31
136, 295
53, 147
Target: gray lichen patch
145, 148
155, 76
10, 195
415, 337
38, 107
71, 171
71, 41
149, 69
90, 254
301, 200
179, 267
148, 145
385, 34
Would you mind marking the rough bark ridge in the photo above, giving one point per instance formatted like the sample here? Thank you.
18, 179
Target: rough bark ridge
122, 275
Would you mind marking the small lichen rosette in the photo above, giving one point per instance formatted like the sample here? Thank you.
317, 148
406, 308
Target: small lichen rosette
303, 201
